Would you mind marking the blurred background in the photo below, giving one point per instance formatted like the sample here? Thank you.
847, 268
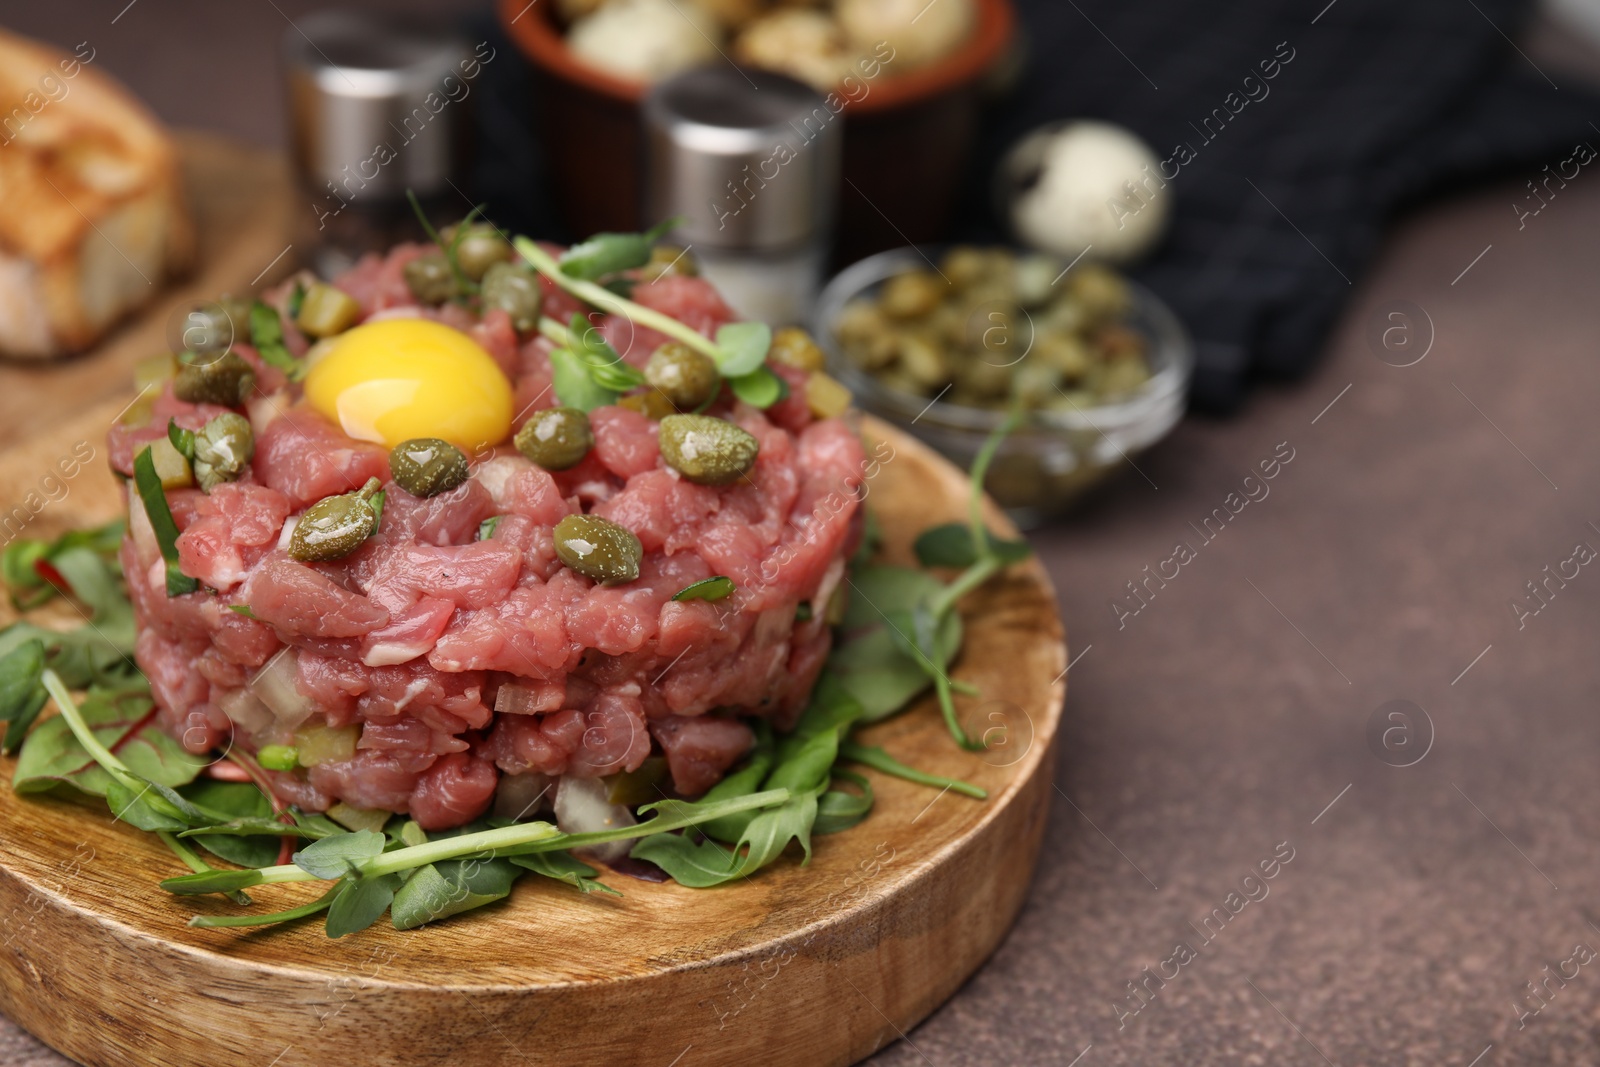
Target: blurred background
1240, 168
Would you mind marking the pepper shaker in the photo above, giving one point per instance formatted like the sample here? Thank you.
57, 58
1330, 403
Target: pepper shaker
377, 106
748, 161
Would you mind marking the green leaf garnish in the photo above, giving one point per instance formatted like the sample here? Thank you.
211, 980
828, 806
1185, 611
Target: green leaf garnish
242, 609
879, 760
574, 386
608, 253
334, 857
359, 903
873, 661
154, 498
839, 810
266, 337
53, 756
714, 588
182, 440
451, 887
760, 388
245, 801
742, 347
951, 545
562, 867
487, 527
270, 919
21, 694
604, 365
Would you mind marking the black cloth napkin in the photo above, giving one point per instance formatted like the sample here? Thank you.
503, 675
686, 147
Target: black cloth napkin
1373, 105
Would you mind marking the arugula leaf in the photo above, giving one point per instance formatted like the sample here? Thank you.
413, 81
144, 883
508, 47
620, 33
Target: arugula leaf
743, 347
873, 661
707, 863
879, 760
951, 545
564, 867
741, 783
360, 902
608, 253
760, 388
608, 369
451, 887
154, 497
695, 864
714, 588
334, 857
266, 337
839, 810
573, 384
123, 723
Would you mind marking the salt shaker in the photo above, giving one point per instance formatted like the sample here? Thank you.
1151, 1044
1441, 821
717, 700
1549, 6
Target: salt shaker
749, 163
377, 106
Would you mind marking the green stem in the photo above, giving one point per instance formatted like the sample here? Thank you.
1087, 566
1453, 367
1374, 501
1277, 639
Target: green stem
192, 860
965, 583
879, 760
320, 904
947, 709
606, 300
980, 471
554, 330
80, 729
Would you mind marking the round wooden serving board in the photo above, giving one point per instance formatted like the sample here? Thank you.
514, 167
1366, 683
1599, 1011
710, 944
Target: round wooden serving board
817, 965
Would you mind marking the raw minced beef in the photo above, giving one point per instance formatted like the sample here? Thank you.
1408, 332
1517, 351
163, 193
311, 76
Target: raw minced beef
461, 660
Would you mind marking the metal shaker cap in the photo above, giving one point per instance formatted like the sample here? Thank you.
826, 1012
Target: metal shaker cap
748, 158
377, 104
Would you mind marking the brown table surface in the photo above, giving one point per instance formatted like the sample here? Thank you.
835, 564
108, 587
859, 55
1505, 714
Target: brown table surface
1229, 718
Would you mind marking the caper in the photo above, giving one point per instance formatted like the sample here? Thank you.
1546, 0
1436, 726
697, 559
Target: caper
556, 438
430, 278
652, 404
335, 526
226, 380
912, 294
598, 548
921, 358
670, 259
427, 466
480, 248
326, 310
795, 348
687, 378
707, 450
222, 449
516, 291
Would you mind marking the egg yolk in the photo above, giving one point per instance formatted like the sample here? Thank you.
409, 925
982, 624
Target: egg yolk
397, 379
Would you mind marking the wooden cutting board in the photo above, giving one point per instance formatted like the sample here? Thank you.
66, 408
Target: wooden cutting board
817, 965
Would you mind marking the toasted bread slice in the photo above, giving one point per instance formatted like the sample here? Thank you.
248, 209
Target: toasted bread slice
92, 213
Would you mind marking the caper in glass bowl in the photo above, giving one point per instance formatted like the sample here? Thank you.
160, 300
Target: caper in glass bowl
945, 342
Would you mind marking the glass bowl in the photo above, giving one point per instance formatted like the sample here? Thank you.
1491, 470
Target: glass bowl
1057, 455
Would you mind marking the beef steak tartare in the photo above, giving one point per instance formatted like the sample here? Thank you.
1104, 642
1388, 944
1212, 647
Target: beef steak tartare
449, 652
